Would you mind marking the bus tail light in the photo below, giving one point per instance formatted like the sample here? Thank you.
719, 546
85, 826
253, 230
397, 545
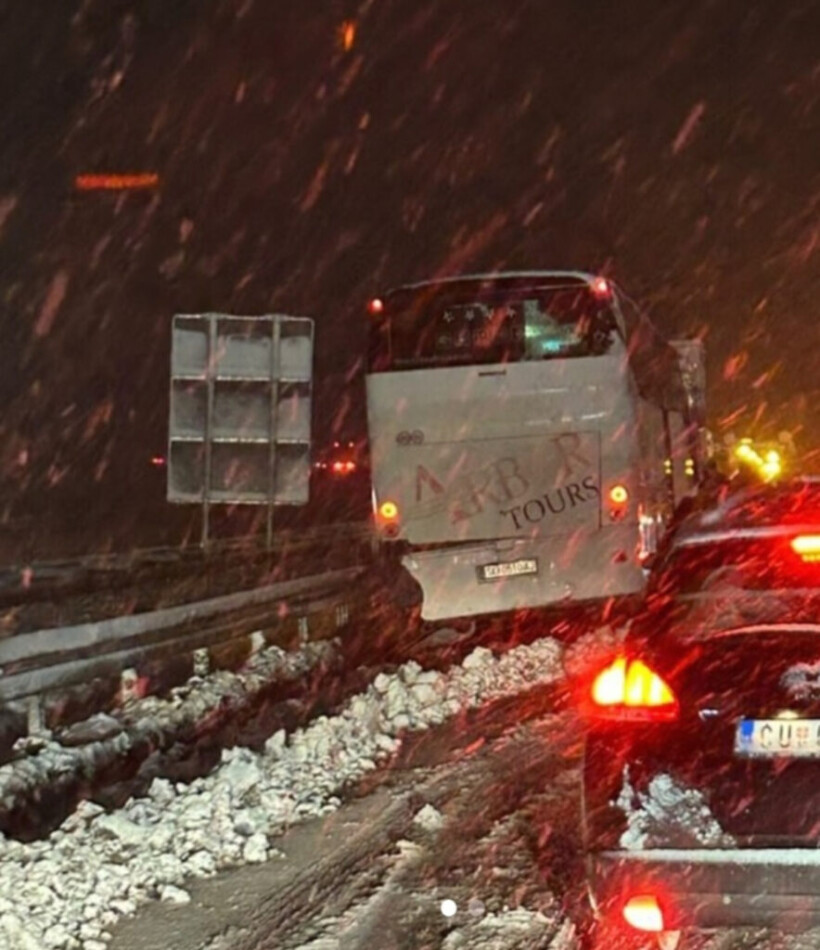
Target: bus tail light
387, 516
618, 497
629, 689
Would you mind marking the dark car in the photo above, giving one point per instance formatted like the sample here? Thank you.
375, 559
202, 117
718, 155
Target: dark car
701, 776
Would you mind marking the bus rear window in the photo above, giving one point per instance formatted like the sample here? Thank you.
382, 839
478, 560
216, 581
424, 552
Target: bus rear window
443, 326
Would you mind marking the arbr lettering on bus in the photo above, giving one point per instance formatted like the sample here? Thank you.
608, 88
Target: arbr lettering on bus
498, 483
424, 477
553, 502
568, 445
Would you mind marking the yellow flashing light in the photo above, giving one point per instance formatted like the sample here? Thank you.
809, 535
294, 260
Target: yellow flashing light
768, 466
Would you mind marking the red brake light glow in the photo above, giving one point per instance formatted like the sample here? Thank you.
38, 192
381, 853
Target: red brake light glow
376, 306
644, 913
807, 547
630, 689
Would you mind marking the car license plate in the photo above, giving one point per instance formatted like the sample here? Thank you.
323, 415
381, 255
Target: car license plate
502, 569
768, 738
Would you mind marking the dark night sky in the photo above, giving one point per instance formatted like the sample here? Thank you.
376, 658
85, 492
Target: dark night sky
674, 145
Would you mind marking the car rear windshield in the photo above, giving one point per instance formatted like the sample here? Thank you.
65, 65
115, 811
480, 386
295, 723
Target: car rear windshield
740, 563
476, 323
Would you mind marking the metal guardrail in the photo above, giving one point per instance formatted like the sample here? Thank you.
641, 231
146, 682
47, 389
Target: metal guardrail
54, 659
39, 579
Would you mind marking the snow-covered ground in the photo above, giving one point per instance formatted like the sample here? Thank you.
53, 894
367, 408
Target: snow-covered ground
69, 890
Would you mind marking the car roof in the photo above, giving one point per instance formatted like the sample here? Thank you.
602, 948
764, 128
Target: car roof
761, 511
571, 276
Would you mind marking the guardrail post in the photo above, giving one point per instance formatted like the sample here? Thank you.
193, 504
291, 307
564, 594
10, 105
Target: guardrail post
202, 662
129, 686
34, 717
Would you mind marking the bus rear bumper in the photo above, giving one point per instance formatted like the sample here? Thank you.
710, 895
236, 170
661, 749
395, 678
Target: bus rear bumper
595, 568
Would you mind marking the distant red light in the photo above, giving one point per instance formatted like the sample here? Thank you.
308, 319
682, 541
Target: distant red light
376, 306
601, 287
338, 467
157, 461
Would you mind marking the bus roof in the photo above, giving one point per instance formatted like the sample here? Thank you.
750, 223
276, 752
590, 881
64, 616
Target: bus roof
575, 276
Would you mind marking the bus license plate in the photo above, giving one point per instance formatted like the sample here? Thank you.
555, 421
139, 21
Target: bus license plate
502, 569
768, 738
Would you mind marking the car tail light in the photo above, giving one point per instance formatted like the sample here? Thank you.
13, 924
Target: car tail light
376, 306
629, 689
643, 912
601, 287
807, 547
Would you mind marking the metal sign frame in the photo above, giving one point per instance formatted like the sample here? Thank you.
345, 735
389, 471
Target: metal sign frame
239, 429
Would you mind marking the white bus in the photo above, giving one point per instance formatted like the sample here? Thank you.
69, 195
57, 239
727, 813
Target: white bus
530, 433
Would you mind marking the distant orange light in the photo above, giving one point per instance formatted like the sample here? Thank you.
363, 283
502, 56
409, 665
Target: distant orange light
618, 495
376, 306
348, 35
116, 182
388, 510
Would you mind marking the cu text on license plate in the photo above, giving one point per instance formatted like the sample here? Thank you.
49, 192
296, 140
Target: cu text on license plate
767, 738
500, 570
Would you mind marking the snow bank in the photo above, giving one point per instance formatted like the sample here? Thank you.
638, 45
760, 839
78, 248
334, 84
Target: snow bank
149, 718
668, 814
69, 890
